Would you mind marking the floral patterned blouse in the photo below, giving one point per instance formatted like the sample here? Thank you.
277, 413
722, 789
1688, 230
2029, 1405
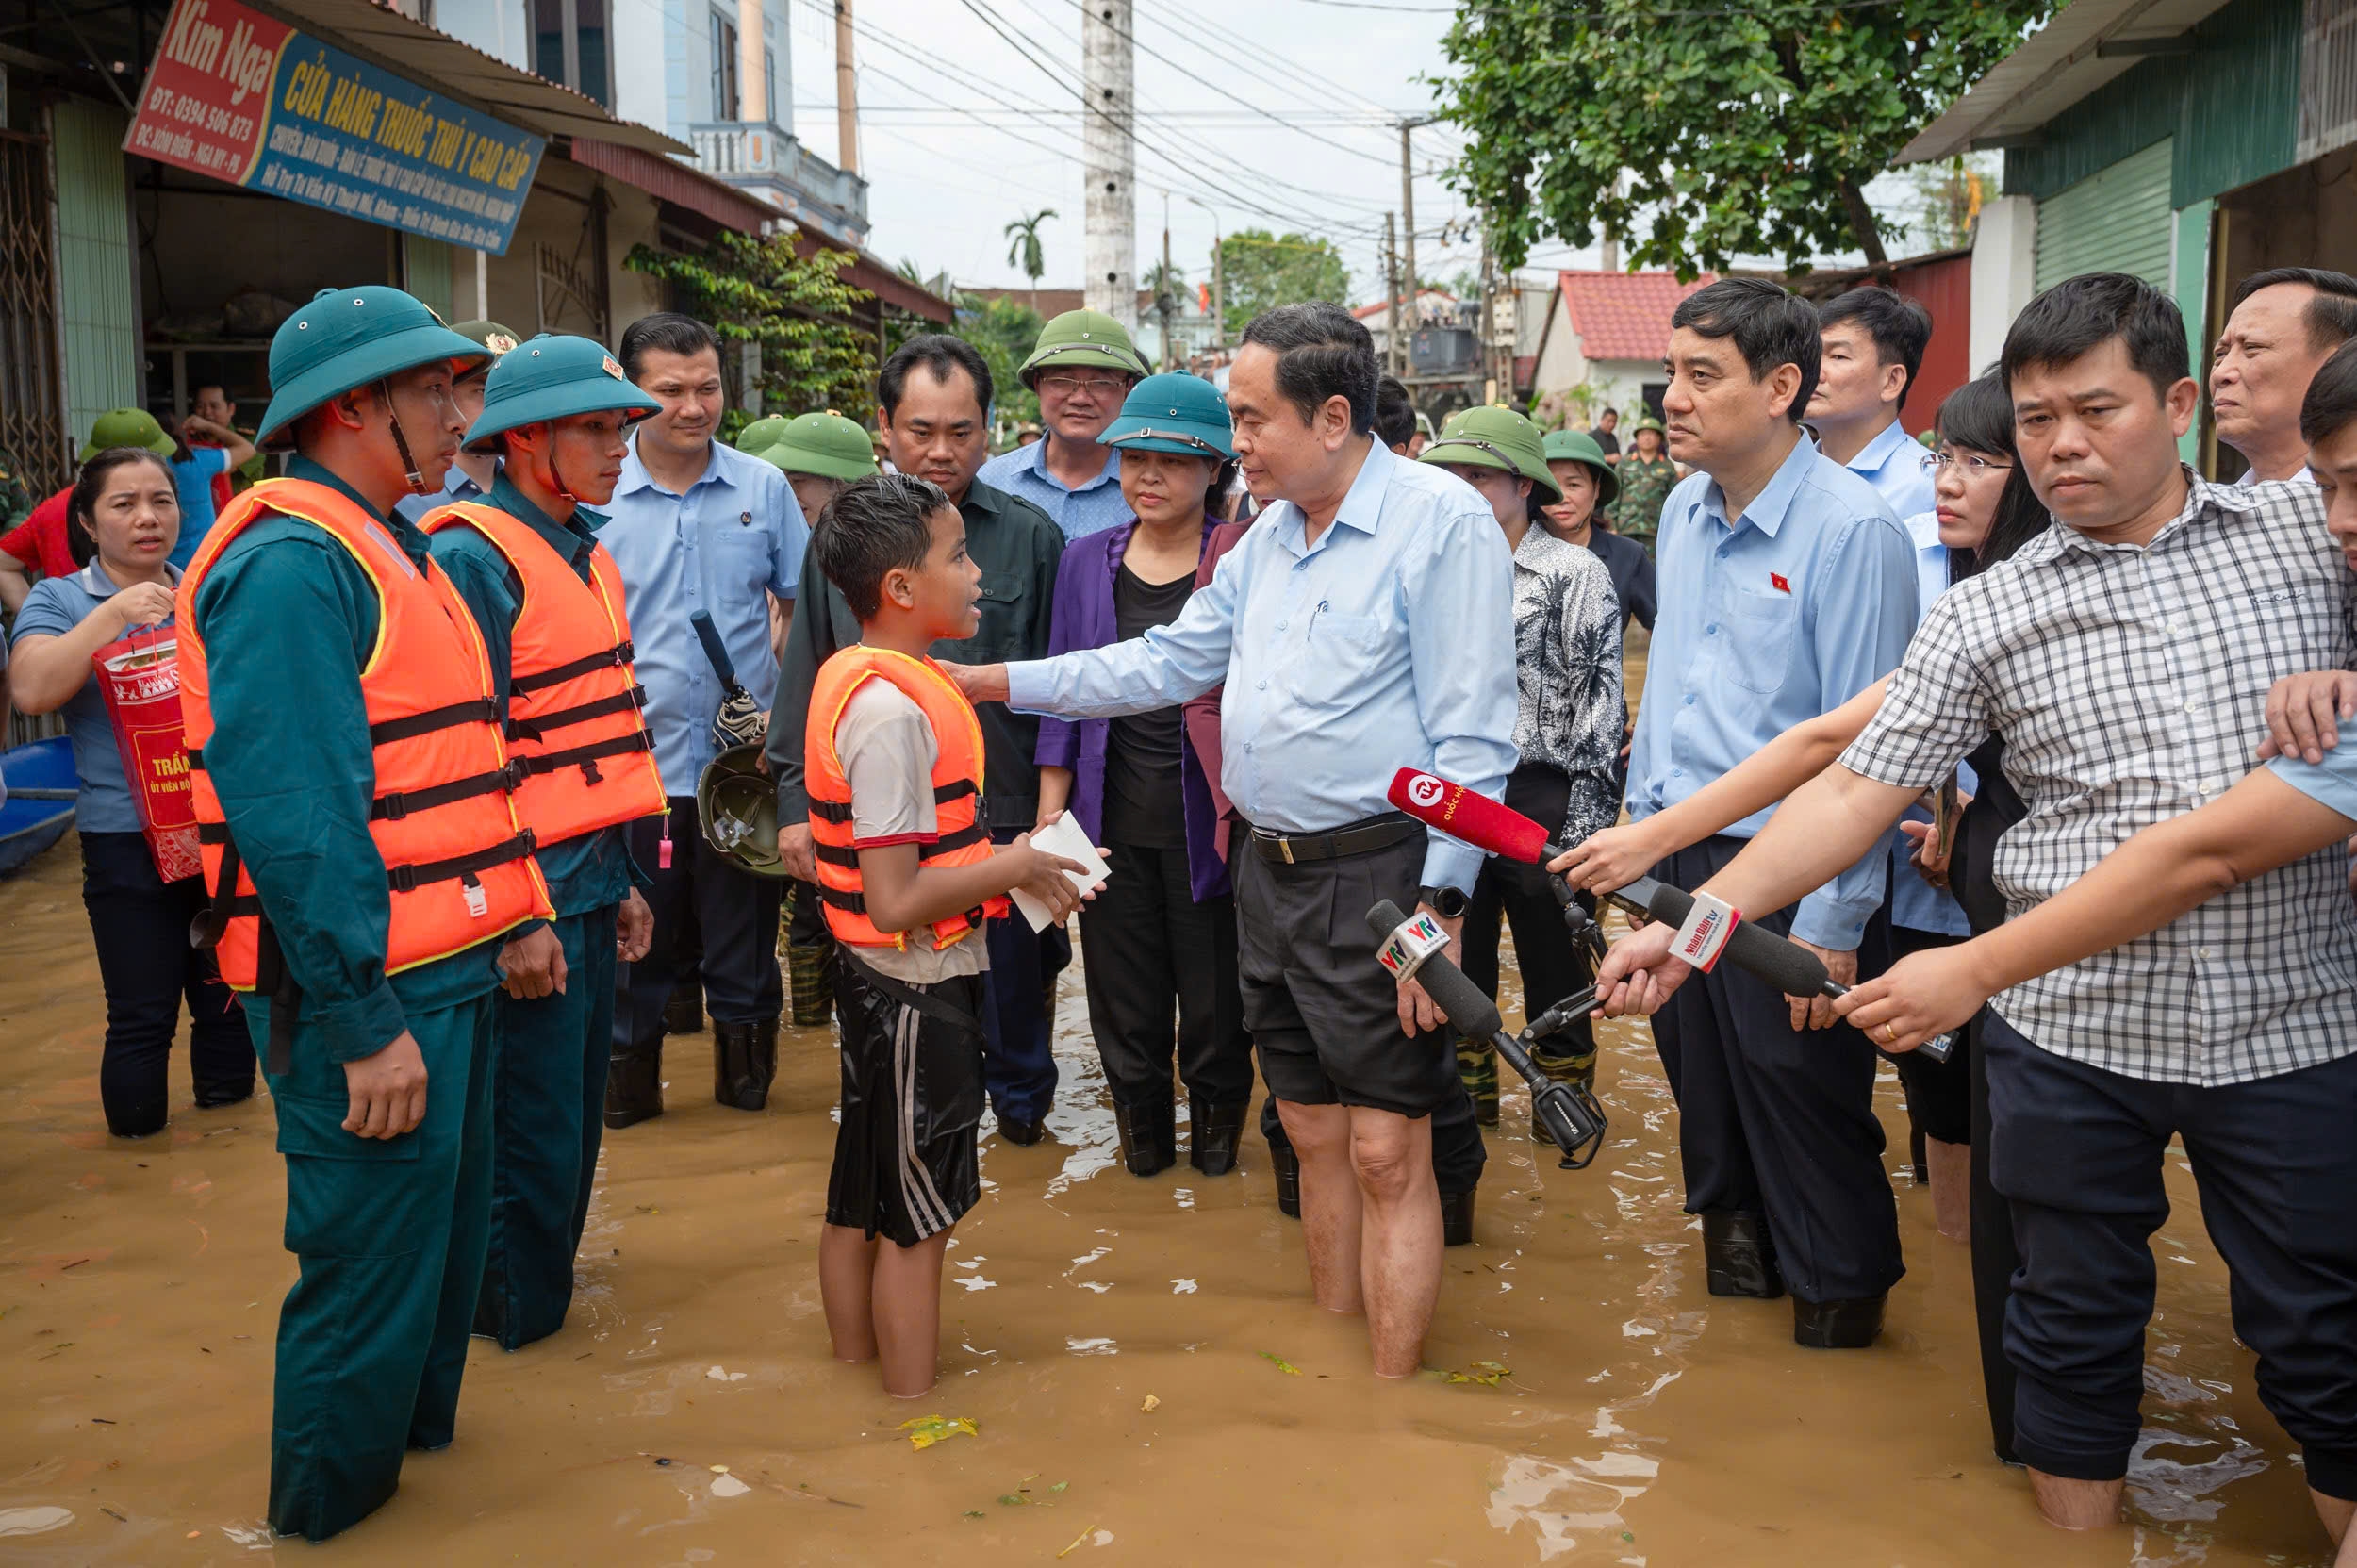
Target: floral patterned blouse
1570, 711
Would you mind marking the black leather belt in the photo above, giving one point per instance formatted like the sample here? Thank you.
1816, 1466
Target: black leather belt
1366, 838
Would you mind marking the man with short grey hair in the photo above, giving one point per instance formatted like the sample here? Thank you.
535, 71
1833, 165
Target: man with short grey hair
2285, 324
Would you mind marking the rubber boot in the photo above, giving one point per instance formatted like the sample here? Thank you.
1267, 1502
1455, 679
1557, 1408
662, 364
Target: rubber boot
1149, 1136
1739, 1256
685, 1012
1457, 1214
1477, 1065
1288, 1167
1213, 1132
744, 1061
1851, 1325
634, 1084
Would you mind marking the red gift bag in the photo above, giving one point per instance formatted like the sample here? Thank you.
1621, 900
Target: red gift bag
139, 678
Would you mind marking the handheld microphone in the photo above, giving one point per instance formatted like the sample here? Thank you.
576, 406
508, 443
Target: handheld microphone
1574, 1117
1475, 818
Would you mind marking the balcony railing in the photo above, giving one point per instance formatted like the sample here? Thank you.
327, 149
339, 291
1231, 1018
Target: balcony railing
756, 152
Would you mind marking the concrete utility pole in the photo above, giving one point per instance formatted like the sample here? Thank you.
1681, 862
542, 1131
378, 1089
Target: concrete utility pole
845, 93
1108, 158
1392, 356
1407, 218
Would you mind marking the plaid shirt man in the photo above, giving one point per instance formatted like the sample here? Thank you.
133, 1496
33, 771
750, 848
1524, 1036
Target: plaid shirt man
2129, 685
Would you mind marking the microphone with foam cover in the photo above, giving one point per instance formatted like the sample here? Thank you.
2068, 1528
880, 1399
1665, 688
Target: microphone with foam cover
1462, 814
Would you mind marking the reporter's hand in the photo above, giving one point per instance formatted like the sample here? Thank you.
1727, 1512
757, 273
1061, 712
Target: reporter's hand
2304, 713
142, 605
1418, 1012
1638, 973
634, 929
385, 1094
1842, 968
1611, 859
533, 966
798, 851
981, 682
1922, 998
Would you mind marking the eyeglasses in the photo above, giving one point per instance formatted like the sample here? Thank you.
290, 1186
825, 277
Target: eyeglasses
1973, 467
1095, 386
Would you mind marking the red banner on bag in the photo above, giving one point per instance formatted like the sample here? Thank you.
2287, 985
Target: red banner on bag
139, 678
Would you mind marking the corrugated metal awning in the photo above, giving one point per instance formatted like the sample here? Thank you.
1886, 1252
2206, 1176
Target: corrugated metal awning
2054, 68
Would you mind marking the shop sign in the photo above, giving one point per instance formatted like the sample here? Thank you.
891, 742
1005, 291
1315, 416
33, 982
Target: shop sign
254, 102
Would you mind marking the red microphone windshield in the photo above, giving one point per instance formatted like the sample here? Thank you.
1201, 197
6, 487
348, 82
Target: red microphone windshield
1462, 813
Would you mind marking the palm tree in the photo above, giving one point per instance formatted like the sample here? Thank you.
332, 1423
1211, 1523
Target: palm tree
1023, 249
1168, 284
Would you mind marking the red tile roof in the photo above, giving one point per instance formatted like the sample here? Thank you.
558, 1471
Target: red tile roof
1624, 315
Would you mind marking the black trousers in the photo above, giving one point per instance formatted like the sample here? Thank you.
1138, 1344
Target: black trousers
1995, 1257
139, 924
1520, 897
1019, 1011
1939, 1093
2078, 1151
1777, 1120
737, 913
1152, 948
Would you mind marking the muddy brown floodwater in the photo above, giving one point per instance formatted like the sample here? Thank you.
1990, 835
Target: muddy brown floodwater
1640, 1422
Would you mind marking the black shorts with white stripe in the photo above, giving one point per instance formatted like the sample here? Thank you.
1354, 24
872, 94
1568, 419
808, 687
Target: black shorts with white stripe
905, 1164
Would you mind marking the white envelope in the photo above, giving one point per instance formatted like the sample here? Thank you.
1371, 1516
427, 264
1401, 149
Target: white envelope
1066, 838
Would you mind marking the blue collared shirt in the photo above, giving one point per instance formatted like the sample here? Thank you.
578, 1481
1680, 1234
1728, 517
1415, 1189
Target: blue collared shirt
55, 608
1388, 643
457, 484
734, 539
1784, 614
1892, 462
1090, 509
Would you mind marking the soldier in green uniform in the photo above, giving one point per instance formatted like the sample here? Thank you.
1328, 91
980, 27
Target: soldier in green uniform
1647, 476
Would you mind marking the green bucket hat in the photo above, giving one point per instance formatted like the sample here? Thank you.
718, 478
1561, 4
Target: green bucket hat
1496, 437
825, 444
1083, 337
1577, 446
127, 427
348, 337
736, 806
495, 340
1175, 412
552, 378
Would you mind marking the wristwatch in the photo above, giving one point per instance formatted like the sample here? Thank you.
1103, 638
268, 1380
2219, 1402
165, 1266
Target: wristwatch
1449, 904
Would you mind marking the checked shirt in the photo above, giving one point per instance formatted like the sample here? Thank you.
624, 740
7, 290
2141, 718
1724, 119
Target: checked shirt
2130, 685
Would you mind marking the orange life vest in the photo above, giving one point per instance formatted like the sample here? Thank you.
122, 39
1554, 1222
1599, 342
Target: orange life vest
572, 699
961, 840
458, 865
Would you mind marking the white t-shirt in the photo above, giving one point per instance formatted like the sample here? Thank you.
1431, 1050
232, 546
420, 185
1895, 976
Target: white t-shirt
888, 752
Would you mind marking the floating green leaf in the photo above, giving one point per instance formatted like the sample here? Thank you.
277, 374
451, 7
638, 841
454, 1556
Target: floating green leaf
1059, 1486
1281, 1365
926, 1430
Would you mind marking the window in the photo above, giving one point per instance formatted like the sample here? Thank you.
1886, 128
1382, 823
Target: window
575, 29
724, 104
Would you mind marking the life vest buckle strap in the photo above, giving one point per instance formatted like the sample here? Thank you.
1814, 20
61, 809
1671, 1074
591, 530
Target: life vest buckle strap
583, 757
394, 807
408, 879
831, 811
477, 710
621, 653
538, 727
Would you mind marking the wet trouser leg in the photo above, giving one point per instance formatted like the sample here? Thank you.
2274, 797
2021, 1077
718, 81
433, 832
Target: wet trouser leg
1994, 1259
1018, 1062
1777, 1120
548, 1114
390, 1233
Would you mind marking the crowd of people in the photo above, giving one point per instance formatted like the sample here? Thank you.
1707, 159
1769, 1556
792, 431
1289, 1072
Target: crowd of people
529, 722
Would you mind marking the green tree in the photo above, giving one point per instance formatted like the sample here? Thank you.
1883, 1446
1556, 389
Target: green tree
1745, 133
1265, 271
797, 309
1023, 249
1003, 330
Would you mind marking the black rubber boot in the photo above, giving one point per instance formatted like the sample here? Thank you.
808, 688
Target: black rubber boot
1149, 1136
634, 1084
744, 1063
1456, 1212
1739, 1256
1288, 1167
1018, 1132
1213, 1132
1837, 1324
685, 1012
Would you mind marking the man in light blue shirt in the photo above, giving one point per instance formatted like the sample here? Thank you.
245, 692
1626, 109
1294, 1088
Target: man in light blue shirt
696, 525
1786, 587
472, 473
1082, 367
1364, 623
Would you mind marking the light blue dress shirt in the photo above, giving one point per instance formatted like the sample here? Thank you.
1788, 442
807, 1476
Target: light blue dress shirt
734, 539
1915, 903
1387, 644
1091, 509
1892, 462
2333, 782
1787, 613
457, 484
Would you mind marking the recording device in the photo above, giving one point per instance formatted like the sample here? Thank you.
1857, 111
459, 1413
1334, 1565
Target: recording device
1504, 831
1412, 948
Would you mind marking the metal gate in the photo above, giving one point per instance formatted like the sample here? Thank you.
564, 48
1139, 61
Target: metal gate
2114, 220
33, 444
2328, 77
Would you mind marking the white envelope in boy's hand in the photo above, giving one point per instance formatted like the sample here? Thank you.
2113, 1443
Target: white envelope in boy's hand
1065, 839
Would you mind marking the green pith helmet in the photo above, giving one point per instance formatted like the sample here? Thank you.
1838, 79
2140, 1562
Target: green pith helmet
127, 427
552, 378
825, 444
348, 337
1577, 446
496, 340
1176, 412
736, 806
760, 433
1650, 420
1496, 439
1423, 426
1083, 339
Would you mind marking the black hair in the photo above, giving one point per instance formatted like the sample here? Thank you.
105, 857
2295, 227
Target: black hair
2330, 406
1323, 352
1901, 327
2331, 317
1608, 414
1394, 416
940, 353
872, 527
671, 332
1978, 416
198, 390
81, 506
2080, 315
1770, 326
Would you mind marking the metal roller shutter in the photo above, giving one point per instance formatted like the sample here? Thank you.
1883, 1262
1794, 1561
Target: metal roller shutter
94, 277
2116, 220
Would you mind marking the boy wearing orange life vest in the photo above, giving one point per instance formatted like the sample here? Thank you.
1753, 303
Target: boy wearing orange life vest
907, 875
550, 603
355, 804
